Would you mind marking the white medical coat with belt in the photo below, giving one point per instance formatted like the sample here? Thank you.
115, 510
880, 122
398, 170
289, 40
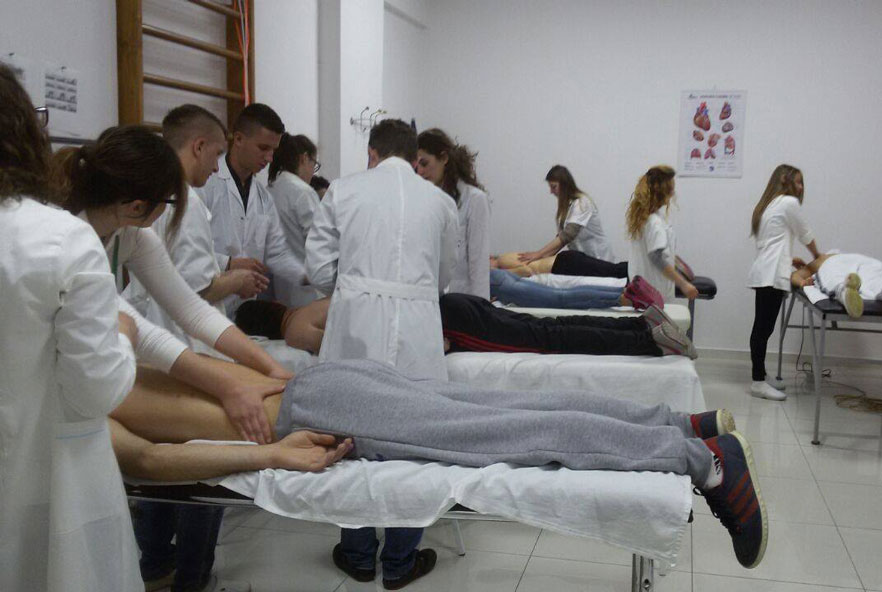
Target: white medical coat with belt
384, 242
64, 521
472, 272
254, 233
591, 239
781, 222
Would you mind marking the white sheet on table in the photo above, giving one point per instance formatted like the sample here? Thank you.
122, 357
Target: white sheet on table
644, 379
291, 358
678, 313
642, 512
814, 294
554, 280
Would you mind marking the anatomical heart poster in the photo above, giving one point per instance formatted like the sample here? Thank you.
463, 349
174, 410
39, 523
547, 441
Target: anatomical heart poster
711, 133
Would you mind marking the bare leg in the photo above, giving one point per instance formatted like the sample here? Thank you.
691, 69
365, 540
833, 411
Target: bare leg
306, 326
162, 409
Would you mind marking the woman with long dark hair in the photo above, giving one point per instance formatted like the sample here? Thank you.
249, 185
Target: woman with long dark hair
578, 221
120, 186
67, 362
777, 219
451, 167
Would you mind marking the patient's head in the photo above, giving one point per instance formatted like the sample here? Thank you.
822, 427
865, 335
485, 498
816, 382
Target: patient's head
261, 317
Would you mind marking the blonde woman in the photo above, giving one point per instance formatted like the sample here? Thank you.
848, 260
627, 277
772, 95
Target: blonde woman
777, 220
653, 244
578, 221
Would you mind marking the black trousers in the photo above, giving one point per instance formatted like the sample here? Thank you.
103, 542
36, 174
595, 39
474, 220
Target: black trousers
473, 324
578, 263
768, 303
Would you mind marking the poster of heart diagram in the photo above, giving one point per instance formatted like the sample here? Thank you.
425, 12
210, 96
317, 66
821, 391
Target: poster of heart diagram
711, 133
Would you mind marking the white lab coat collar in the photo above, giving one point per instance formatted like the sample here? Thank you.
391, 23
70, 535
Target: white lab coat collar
396, 161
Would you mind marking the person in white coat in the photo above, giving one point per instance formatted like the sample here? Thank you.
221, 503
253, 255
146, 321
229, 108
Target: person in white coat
653, 243
777, 220
120, 186
578, 221
384, 243
64, 521
244, 220
199, 139
451, 167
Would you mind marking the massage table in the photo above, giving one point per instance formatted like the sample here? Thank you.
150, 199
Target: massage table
645, 513
707, 290
825, 314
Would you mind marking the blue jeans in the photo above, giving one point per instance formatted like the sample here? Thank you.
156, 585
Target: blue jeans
195, 528
512, 289
360, 545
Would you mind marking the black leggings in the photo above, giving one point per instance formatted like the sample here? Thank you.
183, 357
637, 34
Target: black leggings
474, 324
578, 263
768, 303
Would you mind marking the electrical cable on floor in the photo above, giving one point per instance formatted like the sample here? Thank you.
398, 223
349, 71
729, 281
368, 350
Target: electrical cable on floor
855, 402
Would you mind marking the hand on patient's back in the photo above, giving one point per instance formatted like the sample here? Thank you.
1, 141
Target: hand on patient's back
245, 409
128, 328
248, 263
307, 451
527, 257
251, 283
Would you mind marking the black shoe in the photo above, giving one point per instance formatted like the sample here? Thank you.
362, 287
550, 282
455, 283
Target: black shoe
424, 563
357, 574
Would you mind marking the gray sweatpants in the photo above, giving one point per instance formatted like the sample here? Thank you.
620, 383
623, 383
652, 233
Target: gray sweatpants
391, 417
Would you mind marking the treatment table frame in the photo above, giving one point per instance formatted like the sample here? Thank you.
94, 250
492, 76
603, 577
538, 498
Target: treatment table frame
831, 314
642, 568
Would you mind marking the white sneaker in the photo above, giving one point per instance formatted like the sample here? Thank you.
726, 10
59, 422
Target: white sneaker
763, 390
778, 383
850, 296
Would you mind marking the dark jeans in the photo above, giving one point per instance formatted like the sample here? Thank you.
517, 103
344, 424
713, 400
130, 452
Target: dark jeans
473, 324
195, 529
768, 303
578, 263
360, 545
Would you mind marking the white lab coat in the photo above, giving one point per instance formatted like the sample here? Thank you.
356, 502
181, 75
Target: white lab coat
254, 233
192, 253
472, 272
657, 234
384, 242
64, 521
591, 239
781, 222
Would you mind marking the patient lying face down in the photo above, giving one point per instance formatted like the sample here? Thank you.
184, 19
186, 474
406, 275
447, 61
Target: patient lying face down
471, 323
850, 278
391, 417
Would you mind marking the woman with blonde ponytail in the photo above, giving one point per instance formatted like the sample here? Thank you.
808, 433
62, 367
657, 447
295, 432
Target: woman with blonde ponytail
777, 219
451, 167
653, 244
578, 221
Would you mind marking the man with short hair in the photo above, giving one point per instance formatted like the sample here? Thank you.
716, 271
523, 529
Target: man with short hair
245, 223
199, 139
384, 243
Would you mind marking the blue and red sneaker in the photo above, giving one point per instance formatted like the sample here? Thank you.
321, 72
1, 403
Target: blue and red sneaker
737, 501
711, 424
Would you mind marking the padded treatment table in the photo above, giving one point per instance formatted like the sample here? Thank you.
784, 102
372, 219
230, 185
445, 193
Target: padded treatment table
824, 315
707, 290
646, 513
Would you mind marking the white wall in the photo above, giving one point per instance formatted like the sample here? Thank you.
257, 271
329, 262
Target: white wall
596, 86
80, 35
286, 62
404, 52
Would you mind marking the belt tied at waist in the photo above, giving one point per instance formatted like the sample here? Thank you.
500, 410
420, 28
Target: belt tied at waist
379, 287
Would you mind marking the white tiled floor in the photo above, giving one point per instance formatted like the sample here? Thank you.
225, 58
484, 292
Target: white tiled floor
825, 505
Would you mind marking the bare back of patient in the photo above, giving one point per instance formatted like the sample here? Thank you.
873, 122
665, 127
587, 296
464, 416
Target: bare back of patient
162, 409
510, 262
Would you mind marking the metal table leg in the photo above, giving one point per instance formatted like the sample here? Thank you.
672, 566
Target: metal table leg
785, 321
691, 319
642, 574
817, 368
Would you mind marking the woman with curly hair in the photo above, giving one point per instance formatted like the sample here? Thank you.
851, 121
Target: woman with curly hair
653, 244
